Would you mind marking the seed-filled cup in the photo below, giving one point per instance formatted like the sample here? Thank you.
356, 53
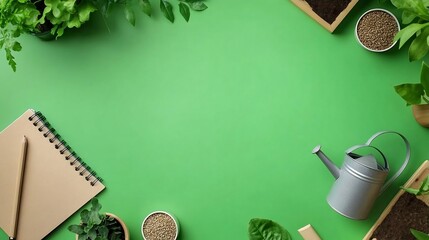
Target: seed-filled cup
376, 29
160, 225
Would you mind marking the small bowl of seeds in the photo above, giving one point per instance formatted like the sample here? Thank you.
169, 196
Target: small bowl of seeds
376, 30
160, 225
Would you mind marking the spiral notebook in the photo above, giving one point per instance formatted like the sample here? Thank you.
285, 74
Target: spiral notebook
55, 182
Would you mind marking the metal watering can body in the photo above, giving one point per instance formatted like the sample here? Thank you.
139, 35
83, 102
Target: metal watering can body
360, 180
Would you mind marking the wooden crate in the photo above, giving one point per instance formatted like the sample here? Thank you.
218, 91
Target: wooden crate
414, 182
304, 6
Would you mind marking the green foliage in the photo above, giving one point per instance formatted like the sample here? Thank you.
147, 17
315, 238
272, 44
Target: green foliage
97, 226
16, 17
22, 16
66, 14
264, 229
414, 93
423, 189
415, 14
104, 6
419, 235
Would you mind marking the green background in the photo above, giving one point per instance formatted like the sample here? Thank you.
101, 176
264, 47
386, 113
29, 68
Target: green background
214, 120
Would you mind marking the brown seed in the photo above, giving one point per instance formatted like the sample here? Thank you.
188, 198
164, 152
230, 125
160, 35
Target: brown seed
159, 226
377, 29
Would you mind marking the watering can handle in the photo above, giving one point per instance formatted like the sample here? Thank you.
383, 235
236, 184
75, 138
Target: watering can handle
407, 156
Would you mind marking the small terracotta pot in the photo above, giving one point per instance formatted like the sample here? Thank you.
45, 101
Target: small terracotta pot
124, 227
421, 114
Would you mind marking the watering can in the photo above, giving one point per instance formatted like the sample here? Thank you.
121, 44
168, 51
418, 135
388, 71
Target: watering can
361, 179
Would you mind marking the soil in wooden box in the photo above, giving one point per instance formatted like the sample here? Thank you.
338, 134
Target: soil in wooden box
408, 212
328, 10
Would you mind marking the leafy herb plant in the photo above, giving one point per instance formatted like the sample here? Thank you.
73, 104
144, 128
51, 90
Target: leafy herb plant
16, 17
416, 93
415, 15
264, 229
97, 226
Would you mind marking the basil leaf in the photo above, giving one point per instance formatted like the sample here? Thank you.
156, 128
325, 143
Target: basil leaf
198, 6
167, 10
411, 93
263, 229
184, 10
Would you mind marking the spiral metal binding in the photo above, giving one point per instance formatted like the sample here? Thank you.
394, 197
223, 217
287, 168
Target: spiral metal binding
80, 166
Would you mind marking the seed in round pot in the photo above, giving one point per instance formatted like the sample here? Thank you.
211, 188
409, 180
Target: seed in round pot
376, 30
159, 226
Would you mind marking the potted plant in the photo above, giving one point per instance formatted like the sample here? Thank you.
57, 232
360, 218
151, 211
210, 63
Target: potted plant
417, 93
49, 18
406, 215
100, 226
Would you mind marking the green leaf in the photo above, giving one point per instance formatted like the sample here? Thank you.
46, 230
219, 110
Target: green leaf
411, 93
95, 205
263, 229
84, 216
78, 229
92, 234
167, 10
16, 47
129, 14
82, 237
184, 10
85, 9
405, 34
424, 77
103, 231
419, 235
419, 46
146, 7
198, 6
408, 17
411, 190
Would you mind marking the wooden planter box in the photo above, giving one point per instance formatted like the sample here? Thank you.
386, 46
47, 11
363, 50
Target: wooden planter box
304, 6
414, 182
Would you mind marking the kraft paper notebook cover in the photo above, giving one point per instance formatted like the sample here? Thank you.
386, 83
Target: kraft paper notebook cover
55, 183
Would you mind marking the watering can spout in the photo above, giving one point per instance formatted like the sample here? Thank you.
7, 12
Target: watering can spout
335, 171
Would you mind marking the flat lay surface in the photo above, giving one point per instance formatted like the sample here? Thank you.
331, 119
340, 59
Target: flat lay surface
214, 120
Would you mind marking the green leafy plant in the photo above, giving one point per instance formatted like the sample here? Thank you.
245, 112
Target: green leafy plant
415, 14
264, 229
35, 16
16, 17
64, 14
416, 93
97, 226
